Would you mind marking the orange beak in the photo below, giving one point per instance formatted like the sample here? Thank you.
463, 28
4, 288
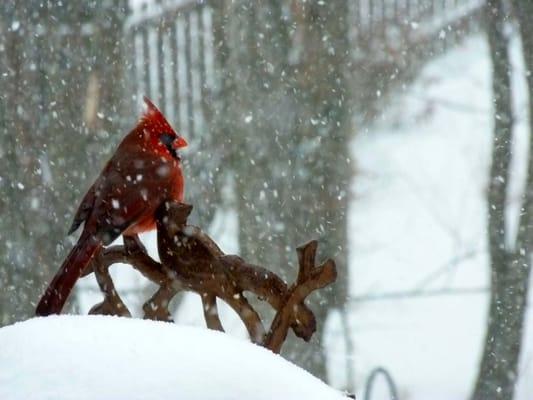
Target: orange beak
179, 143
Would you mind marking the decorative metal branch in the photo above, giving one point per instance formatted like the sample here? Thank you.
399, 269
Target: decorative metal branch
192, 261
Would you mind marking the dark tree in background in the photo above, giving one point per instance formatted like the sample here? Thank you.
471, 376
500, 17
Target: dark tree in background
322, 171
287, 122
510, 259
59, 93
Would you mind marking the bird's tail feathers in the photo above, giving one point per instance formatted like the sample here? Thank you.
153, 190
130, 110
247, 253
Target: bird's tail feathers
59, 289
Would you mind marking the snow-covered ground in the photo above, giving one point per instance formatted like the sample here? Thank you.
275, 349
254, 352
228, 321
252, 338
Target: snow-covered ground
96, 357
418, 222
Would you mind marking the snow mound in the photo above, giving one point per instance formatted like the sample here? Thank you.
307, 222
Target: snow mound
96, 357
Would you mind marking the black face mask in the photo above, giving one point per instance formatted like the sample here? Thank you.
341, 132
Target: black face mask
168, 139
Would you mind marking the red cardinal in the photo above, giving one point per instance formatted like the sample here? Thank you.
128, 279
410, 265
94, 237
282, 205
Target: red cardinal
144, 171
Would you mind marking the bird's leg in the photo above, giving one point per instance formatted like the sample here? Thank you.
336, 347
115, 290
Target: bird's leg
133, 244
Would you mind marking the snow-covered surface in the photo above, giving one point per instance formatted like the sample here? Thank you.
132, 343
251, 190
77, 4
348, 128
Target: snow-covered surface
419, 208
96, 357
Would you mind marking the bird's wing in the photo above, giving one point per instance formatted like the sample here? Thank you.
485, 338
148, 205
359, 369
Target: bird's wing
84, 209
129, 190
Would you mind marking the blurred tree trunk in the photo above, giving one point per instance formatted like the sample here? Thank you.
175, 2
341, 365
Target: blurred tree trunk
19, 163
62, 61
321, 169
510, 264
288, 123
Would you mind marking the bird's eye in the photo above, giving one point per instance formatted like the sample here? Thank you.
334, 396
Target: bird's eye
167, 139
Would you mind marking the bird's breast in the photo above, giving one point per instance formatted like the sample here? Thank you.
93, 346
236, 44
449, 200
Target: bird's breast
172, 188
144, 224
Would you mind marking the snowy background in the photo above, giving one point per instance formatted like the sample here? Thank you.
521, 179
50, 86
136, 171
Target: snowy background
418, 224
417, 159
417, 229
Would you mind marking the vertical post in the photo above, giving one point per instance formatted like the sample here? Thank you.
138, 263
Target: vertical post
160, 59
146, 60
189, 66
175, 81
201, 50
